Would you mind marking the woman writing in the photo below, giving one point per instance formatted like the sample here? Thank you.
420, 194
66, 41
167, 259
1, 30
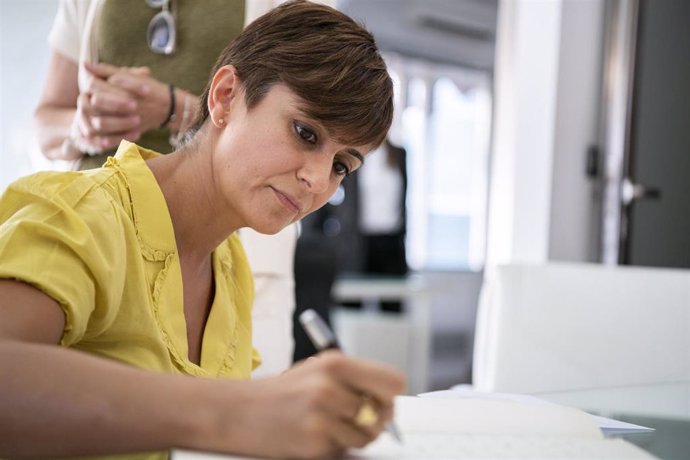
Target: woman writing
121, 286
108, 80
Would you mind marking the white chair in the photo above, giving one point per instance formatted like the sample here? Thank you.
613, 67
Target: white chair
558, 326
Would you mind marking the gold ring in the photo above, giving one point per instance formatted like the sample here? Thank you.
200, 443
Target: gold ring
366, 416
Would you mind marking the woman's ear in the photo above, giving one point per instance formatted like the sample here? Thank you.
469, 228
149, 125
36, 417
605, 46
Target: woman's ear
225, 87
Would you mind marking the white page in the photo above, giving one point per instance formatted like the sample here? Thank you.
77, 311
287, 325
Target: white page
475, 447
483, 416
608, 426
450, 428
432, 427
612, 427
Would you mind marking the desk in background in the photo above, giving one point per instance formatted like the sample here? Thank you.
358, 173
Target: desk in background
415, 294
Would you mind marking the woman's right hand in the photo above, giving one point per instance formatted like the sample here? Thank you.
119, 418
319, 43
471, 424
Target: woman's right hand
310, 411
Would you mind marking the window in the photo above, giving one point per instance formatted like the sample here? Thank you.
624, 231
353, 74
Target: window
444, 122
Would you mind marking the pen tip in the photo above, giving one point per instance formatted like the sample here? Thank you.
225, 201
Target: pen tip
393, 430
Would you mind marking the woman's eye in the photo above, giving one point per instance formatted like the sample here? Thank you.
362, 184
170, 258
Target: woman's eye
341, 169
305, 134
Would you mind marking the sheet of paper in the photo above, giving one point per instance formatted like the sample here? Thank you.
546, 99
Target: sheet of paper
612, 427
608, 426
438, 427
471, 447
445, 425
483, 416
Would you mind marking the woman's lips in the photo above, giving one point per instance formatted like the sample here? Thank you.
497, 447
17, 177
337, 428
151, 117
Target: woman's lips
287, 201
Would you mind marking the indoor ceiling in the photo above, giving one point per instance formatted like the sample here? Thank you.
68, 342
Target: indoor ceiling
459, 32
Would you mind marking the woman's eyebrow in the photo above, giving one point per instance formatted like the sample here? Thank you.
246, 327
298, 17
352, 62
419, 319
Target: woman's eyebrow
355, 154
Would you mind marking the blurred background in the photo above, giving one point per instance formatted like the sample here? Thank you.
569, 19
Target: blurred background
525, 131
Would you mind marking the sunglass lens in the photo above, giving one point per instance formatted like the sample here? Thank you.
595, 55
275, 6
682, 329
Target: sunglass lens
161, 33
156, 3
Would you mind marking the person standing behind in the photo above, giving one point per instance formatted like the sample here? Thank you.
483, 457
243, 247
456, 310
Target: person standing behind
87, 108
382, 187
132, 69
381, 196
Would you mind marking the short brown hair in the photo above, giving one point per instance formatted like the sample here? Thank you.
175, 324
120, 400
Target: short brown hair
327, 59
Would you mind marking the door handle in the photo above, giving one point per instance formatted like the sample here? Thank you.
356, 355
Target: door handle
631, 191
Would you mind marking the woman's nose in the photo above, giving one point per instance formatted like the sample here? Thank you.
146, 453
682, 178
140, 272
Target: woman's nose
316, 173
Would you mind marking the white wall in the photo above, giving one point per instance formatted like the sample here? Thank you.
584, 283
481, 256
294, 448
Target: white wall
575, 198
547, 104
24, 52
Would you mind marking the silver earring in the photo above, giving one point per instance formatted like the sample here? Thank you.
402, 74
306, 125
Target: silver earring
221, 121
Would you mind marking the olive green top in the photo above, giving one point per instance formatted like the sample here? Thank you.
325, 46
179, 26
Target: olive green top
203, 29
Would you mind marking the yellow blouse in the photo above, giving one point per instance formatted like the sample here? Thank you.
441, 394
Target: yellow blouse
101, 243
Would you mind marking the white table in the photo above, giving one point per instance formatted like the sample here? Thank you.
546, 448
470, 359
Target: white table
415, 294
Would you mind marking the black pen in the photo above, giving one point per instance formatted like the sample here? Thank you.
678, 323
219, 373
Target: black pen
323, 339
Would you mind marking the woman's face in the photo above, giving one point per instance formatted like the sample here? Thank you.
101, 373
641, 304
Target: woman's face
273, 165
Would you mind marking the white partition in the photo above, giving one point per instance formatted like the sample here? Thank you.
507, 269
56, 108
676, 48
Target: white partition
554, 326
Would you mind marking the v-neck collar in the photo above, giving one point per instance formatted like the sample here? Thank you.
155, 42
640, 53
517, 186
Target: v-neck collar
157, 240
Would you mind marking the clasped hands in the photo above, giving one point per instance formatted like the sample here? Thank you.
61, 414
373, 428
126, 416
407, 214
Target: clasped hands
117, 103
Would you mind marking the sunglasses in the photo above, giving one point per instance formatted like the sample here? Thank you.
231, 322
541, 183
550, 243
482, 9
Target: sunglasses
161, 31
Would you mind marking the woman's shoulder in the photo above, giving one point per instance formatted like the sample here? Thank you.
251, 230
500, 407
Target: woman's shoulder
53, 184
51, 191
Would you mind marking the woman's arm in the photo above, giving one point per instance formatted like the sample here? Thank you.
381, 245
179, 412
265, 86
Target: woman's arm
61, 402
58, 401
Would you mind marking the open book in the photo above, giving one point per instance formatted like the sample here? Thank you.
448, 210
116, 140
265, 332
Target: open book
467, 428
480, 428
608, 426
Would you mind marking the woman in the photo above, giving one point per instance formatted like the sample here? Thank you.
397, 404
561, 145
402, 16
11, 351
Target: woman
135, 270
107, 82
